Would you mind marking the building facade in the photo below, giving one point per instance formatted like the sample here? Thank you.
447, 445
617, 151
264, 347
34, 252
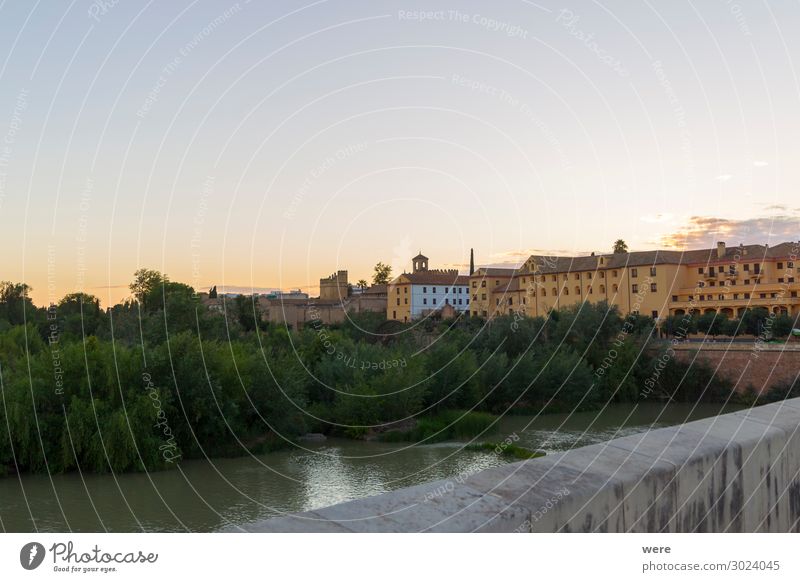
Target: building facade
725, 280
425, 291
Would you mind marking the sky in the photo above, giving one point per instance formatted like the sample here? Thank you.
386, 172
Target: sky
260, 145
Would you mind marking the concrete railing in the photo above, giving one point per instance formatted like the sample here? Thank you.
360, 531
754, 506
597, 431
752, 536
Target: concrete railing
732, 473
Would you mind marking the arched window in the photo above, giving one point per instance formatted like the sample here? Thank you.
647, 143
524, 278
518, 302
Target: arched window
589, 289
577, 290
602, 288
554, 292
616, 287
566, 290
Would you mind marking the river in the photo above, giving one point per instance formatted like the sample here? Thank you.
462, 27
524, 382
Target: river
207, 495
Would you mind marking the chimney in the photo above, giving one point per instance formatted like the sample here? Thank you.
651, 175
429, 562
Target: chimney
720, 249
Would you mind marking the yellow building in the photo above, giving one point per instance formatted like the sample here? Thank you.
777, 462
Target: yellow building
660, 283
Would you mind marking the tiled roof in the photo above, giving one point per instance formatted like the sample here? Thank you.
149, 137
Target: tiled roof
435, 278
494, 272
548, 264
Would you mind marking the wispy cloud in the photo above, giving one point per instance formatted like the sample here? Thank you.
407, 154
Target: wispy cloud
704, 231
760, 163
724, 177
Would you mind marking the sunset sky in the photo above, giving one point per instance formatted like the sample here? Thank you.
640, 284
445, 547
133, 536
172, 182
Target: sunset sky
267, 144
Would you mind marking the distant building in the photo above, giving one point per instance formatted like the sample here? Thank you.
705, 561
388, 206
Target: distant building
725, 280
425, 291
334, 288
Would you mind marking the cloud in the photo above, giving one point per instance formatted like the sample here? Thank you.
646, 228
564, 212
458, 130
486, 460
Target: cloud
657, 218
724, 177
704, 231
760, 164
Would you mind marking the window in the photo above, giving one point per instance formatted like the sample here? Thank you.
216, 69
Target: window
434, 289
446, 301
732, 270
602, 274
747, 295
394, 315
497, 301
711, 270
496, 283
736, 296
790, 265
634, 273
523, 301
554, 292
780, 266
674, 297
701, 284
405, 290
446, 290
654, 314
577, 290
484, 313
424, 300
635, 288
700, 270
523, 280
475, 297
756, 269
398, 301
616, 287
460, 301
762, 295
460, 290
780, 279
790, 280
747, 268
712, 284
794, 293
652, 287
721, 297
747, 281
566, 290
483, 296
589, 289
434, 300
424, 289
544, 292
483, 283
406, 300
653, 273
602, 289
691, 297
474, 284
511, 301
554, 278
577, 276
614, 273
467, 300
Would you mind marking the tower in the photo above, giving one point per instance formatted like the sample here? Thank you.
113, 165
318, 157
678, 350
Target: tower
420, 263
471, 261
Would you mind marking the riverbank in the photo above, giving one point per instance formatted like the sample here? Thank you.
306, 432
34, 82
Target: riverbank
207, 495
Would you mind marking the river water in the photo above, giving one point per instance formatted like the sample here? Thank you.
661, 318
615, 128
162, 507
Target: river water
207, 495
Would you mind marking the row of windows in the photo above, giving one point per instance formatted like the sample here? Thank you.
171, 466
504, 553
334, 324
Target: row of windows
433, 290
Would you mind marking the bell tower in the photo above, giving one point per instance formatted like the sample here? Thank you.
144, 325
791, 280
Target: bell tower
420, 263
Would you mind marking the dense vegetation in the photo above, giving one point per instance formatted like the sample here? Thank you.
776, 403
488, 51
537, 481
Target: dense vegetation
161, 378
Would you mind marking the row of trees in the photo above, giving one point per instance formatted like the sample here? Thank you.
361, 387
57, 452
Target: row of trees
160, 378
756, 322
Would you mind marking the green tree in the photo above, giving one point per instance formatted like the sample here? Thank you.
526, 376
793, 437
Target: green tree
362, 284
382, 274
620, 246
